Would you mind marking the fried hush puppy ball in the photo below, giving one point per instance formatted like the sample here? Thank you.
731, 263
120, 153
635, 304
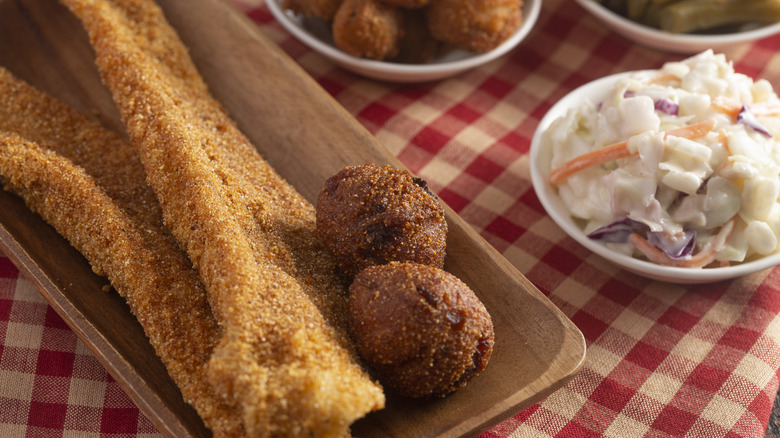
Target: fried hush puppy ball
475, 25
384, 29
368, 29
371, 215
420, 329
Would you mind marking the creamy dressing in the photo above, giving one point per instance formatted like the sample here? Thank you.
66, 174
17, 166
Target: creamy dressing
678, 190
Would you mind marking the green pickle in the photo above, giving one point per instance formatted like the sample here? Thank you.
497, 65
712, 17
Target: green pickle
696, 16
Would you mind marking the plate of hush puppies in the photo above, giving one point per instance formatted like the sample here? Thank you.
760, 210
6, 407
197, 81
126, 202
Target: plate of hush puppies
408, 40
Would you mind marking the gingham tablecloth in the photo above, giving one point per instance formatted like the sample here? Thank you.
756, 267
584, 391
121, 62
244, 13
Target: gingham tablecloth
663, 360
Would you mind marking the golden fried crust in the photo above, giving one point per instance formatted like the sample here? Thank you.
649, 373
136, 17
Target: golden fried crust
284, 357
88, 183
369, 215
421, 329
476, 25
368, 28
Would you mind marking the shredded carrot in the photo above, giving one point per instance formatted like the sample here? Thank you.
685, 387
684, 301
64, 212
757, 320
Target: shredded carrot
707, 255
620, 150
723, 137
765, 109
727, 106
697, 130
732, 108
593, 158
655, 255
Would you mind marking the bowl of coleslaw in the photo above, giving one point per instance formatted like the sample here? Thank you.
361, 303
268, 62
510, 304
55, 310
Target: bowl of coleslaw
673, 174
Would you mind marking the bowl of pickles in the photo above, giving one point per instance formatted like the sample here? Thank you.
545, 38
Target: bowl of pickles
688, 26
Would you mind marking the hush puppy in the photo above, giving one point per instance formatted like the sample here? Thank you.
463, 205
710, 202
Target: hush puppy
368, 28
369, 215
475, 25
420, 329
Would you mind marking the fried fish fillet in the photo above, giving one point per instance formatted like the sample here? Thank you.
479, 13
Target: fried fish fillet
89, 184
284, 356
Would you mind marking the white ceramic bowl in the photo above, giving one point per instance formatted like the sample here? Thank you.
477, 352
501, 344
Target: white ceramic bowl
679, 43
541, 156
315, 33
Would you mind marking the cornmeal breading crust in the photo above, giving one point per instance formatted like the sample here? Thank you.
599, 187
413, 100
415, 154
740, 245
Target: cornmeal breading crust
284, 355
88, 183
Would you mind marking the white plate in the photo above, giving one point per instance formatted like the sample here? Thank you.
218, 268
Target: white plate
540, 157
679, 43
315, 33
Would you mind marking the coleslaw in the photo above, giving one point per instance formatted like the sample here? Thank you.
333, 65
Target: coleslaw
679, 165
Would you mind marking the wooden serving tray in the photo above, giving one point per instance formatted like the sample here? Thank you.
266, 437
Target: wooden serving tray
307, 136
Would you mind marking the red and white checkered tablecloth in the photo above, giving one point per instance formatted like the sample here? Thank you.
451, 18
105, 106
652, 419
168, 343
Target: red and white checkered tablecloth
663, 360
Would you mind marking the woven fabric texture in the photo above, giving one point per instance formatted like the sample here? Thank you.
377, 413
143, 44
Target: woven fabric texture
663, 360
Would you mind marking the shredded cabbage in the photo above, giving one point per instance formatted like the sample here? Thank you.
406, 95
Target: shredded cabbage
678, 192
